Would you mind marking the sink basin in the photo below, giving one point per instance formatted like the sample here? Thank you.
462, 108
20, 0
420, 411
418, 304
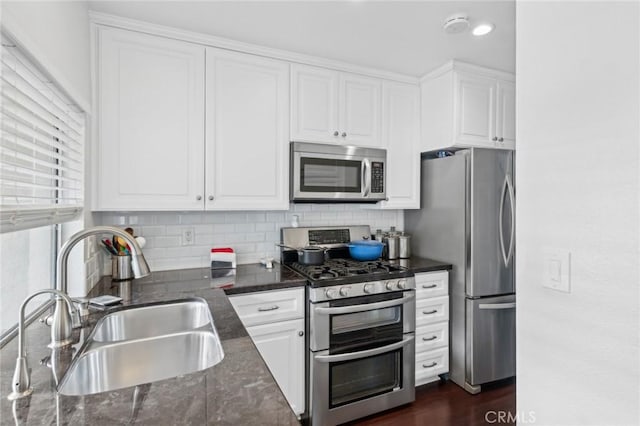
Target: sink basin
143, 345
152, 321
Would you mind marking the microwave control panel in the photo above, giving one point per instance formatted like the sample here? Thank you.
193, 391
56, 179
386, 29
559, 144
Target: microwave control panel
377, 177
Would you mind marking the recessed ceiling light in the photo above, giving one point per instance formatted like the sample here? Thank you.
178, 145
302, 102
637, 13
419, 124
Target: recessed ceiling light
456, 24
482, 29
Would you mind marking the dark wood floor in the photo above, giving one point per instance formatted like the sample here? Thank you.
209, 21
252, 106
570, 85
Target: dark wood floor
445, 404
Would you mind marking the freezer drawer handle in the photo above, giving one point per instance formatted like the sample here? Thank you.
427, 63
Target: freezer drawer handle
428, 339
430, 312
497, 305
364, 354
366, 307
430, 286
272, 308
433, 364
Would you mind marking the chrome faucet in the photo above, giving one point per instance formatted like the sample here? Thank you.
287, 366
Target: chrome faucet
61, 324
21, 384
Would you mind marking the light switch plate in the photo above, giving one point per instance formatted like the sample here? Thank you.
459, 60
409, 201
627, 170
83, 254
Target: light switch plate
557, 270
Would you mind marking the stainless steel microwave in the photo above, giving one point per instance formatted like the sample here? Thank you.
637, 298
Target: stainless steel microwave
338, 173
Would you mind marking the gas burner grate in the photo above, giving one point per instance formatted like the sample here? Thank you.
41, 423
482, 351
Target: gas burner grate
337, 268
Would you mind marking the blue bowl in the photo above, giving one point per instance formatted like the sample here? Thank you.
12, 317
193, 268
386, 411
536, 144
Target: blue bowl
365, 249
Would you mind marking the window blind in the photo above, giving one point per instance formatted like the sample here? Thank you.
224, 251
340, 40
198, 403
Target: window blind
41, 146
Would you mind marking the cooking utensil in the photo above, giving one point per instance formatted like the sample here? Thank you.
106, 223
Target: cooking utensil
365, 249
107, 243
310, 255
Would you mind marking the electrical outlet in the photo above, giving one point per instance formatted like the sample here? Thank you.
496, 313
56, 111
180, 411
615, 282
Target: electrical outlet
188, 236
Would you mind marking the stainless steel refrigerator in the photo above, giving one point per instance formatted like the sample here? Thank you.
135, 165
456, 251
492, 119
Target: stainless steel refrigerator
467, 218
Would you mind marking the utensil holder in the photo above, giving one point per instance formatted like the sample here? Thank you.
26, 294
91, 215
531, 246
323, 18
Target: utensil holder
121, 268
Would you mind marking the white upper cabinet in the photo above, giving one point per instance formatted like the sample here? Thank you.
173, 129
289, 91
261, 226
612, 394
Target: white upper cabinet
247, 138
150, 110
156, 150
401, 137
467, 106
334, 107
314, 104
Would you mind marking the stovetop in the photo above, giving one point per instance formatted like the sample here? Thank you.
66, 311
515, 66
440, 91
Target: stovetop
347, 271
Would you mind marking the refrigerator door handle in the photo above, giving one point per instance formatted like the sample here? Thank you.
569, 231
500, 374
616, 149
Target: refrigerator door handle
497, 305
500, 212
513, 219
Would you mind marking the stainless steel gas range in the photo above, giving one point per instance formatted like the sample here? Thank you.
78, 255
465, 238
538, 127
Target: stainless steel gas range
360, 328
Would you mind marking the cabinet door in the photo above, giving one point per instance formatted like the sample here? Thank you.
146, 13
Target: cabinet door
475, 110
360, 110
246, 132
401, 134
506, 115
281, 345
314, 104
150, 122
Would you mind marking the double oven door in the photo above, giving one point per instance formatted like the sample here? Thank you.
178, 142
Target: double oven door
361, 356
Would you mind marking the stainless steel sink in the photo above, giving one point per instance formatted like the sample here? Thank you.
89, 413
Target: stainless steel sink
143, 345
152, 321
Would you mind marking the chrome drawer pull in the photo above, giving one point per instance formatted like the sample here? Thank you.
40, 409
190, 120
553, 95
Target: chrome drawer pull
430, 312
273, 308
433, 364
430, 286
428, 339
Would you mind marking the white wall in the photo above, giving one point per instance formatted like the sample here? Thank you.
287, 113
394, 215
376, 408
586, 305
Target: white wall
57, 33
578, 72
253, 234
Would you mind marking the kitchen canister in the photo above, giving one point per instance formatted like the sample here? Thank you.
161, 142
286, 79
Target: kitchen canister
121, 268
404, 246
392, 246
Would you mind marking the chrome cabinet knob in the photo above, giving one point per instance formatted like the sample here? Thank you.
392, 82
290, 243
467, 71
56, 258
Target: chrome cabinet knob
500, 139
344, 134
495, 138
210, 197
198, 197
336, 133
300, 333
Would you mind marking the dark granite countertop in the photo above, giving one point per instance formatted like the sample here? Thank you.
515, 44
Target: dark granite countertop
421, 264
239, 390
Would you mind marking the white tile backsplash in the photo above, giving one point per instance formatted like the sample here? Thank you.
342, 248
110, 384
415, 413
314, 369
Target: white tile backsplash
253, 235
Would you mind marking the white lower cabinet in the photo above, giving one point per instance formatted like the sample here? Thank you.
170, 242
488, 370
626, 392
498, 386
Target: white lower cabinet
432, 326
275, 322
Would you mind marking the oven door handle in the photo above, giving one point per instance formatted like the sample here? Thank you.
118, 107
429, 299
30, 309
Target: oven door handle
364, 354
365, 307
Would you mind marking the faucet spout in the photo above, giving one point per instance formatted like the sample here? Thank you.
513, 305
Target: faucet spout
138, 262
21, 383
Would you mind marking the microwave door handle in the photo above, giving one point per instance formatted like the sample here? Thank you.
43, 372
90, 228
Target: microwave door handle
366, 177
364, 354
365, 307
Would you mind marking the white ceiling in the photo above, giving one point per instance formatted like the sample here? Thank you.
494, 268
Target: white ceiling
400, 36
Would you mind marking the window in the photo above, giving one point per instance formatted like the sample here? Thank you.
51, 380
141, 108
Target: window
41, 178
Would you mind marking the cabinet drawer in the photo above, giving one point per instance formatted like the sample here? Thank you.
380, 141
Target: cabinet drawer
431, 363
429, 311
432, 336
269, 306
432, 284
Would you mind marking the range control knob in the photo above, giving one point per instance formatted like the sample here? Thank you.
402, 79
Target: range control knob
368, 288
331, 293
344, 291
402, 284
390, 285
